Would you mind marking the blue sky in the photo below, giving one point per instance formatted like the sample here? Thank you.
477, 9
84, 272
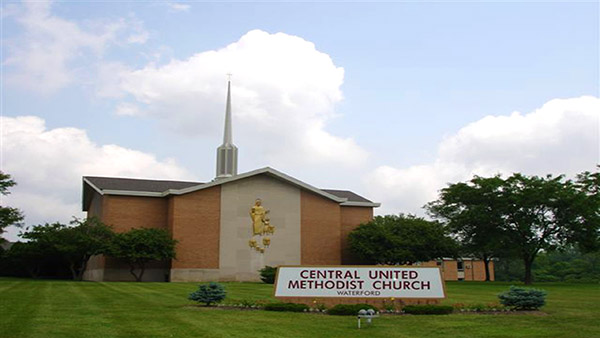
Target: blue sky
407, 116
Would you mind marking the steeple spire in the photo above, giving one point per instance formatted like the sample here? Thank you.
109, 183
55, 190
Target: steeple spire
227, 137
227, 152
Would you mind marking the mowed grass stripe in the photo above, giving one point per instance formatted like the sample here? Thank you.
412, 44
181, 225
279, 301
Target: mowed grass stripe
159, 314
19, 307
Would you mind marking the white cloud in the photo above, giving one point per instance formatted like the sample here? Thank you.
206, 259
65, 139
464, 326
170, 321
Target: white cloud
561, 137
178, 7
53, 52
48, 165
284, 92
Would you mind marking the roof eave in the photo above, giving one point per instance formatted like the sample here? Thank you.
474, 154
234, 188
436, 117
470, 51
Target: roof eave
361, 204
265, 170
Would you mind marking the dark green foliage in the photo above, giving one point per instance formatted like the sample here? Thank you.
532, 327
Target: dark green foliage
137, 247
523, 299
567, 265
267, 274
523, 215
472, 212
349, 309
208, 293
428, 309
286, 307
73, 244
8, 216
401, 239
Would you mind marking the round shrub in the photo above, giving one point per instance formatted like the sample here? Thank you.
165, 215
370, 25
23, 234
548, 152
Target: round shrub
286, 307
208, 293
428, 309
523, 299
349, 309
267, 274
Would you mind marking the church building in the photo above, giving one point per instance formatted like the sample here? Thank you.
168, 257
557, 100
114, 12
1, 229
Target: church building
229, 228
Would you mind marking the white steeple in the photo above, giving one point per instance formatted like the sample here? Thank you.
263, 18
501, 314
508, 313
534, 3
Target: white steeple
227, 152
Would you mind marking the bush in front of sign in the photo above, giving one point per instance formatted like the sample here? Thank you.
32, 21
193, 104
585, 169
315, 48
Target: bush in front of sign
523, 299
349, 309
428, 309
286, 307
208, 293
267, 274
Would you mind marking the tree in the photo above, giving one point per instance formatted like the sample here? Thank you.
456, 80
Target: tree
28, 257
137, 247
8, 216
401, 239
473, 213
525, 215
76, 244
586, 221
543, 213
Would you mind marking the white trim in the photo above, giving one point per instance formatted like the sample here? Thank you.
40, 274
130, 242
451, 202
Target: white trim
360, 204
265, 170
135, 193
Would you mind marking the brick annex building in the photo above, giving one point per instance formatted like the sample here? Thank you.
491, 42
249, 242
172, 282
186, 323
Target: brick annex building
231, 227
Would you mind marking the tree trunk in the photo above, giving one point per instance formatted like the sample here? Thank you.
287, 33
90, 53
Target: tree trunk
82, 269
132, 271
73, 272
142, 269
486, 263
528, 277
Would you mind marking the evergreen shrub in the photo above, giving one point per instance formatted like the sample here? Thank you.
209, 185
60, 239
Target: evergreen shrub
428, 309
523, 299
208, 293
286, 307
349, 309
267, 274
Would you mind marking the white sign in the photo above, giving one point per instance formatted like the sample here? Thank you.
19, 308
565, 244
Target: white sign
359, 282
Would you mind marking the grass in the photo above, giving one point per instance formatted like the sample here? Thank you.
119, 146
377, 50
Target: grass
30, 308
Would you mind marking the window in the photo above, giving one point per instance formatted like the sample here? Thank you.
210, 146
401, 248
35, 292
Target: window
460, 265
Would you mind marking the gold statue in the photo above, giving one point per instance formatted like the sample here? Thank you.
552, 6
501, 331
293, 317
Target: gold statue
258, 213
261, 226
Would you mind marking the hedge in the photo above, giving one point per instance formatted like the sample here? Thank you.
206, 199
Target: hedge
287, 307
349, 309
428, 309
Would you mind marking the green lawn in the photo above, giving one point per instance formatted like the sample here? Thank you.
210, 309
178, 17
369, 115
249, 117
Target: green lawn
86, 309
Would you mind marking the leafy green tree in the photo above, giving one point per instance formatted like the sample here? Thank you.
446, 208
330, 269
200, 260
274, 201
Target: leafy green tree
27, 256
137, 247
8, 216
75, 243
541, 213
472, 211
524, 214
401, 239
585, 225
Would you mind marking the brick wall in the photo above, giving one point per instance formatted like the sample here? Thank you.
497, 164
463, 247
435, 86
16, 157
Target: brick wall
127, 212
351, 217
194, 221
320, 230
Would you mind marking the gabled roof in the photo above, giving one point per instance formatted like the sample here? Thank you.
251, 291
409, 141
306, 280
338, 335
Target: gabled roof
134, 184
161, 188
352, 197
